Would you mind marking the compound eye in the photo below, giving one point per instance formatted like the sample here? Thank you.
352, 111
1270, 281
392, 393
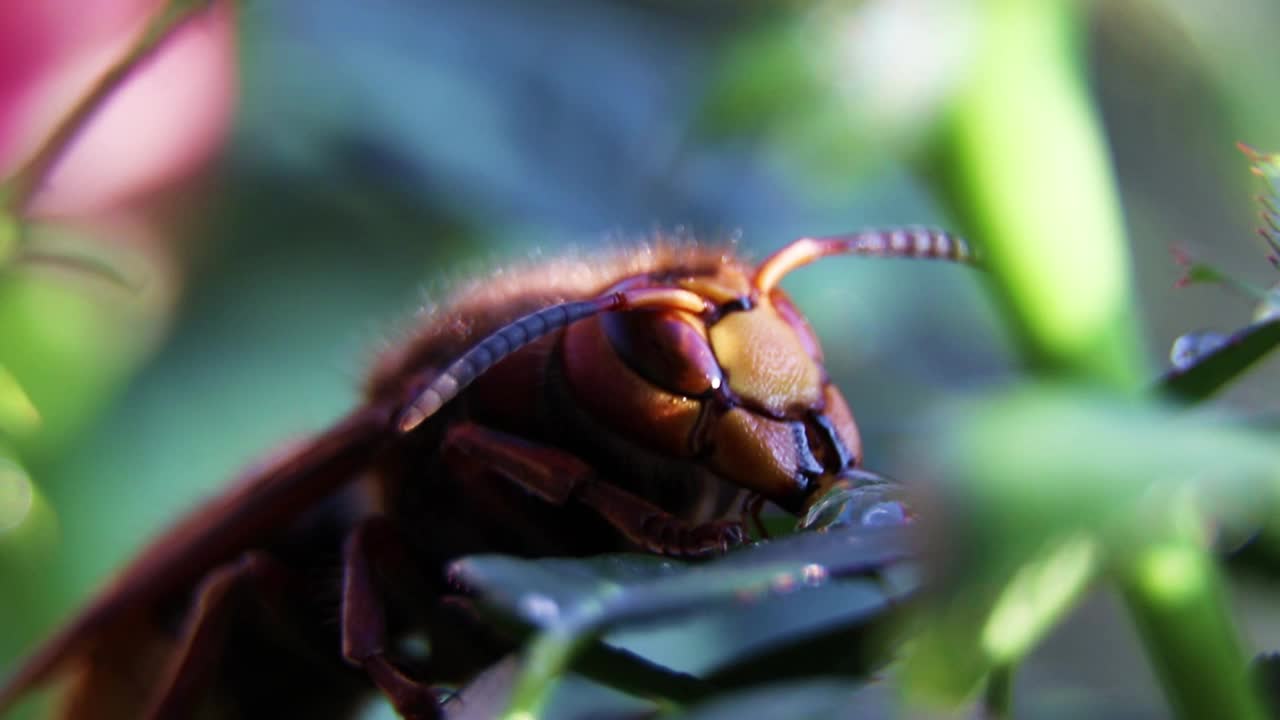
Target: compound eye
667, 348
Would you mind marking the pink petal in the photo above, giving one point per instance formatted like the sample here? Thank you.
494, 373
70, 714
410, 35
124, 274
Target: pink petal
167, 120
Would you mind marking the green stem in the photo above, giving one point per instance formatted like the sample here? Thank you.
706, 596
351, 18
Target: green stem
24, 184
1174, 594
619, 668
545, 660
998, 698
1023, 166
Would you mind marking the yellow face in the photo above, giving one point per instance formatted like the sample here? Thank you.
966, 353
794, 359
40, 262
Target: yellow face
743, 391
765, 363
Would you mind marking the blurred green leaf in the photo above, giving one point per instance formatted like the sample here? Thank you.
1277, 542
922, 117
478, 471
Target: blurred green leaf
17, 496
1265, 674
28, 526
10, 233
765, 78
1045, 462
832, 87
1035, 597
17, 413
1045, 483
994, 620
82, 261
53, 324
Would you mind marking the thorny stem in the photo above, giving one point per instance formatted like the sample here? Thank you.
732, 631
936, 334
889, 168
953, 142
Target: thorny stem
24, 184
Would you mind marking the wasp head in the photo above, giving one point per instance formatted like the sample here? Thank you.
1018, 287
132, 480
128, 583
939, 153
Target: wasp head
741, 389
715, 367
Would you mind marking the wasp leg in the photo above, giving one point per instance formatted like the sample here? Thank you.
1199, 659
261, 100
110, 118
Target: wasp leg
560, 477
463, 644
753, 506
655, 529
204, 631
364, 619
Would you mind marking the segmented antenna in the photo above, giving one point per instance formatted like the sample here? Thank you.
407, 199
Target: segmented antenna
909, 242
519, 333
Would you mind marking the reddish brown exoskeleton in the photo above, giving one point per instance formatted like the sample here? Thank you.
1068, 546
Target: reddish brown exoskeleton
650, 399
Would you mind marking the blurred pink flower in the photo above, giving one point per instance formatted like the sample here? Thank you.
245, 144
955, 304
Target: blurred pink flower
163, 123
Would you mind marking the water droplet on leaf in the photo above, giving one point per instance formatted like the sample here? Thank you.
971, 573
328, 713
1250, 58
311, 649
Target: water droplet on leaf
539, 608
1190, 347
858, 497
1269, 307
814, 574
885, 513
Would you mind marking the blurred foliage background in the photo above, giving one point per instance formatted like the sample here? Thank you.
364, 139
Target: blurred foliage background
382, 150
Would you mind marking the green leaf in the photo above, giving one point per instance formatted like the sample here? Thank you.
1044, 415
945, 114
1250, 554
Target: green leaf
853, 646
798, 701
576, 601
615, 590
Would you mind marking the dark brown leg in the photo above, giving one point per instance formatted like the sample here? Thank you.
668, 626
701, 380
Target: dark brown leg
371, 545
551, 474
218, 599
463, 643
559, 477
753, 505
656, 530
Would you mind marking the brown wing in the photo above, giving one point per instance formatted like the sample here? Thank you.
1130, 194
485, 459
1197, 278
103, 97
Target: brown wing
220, 530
